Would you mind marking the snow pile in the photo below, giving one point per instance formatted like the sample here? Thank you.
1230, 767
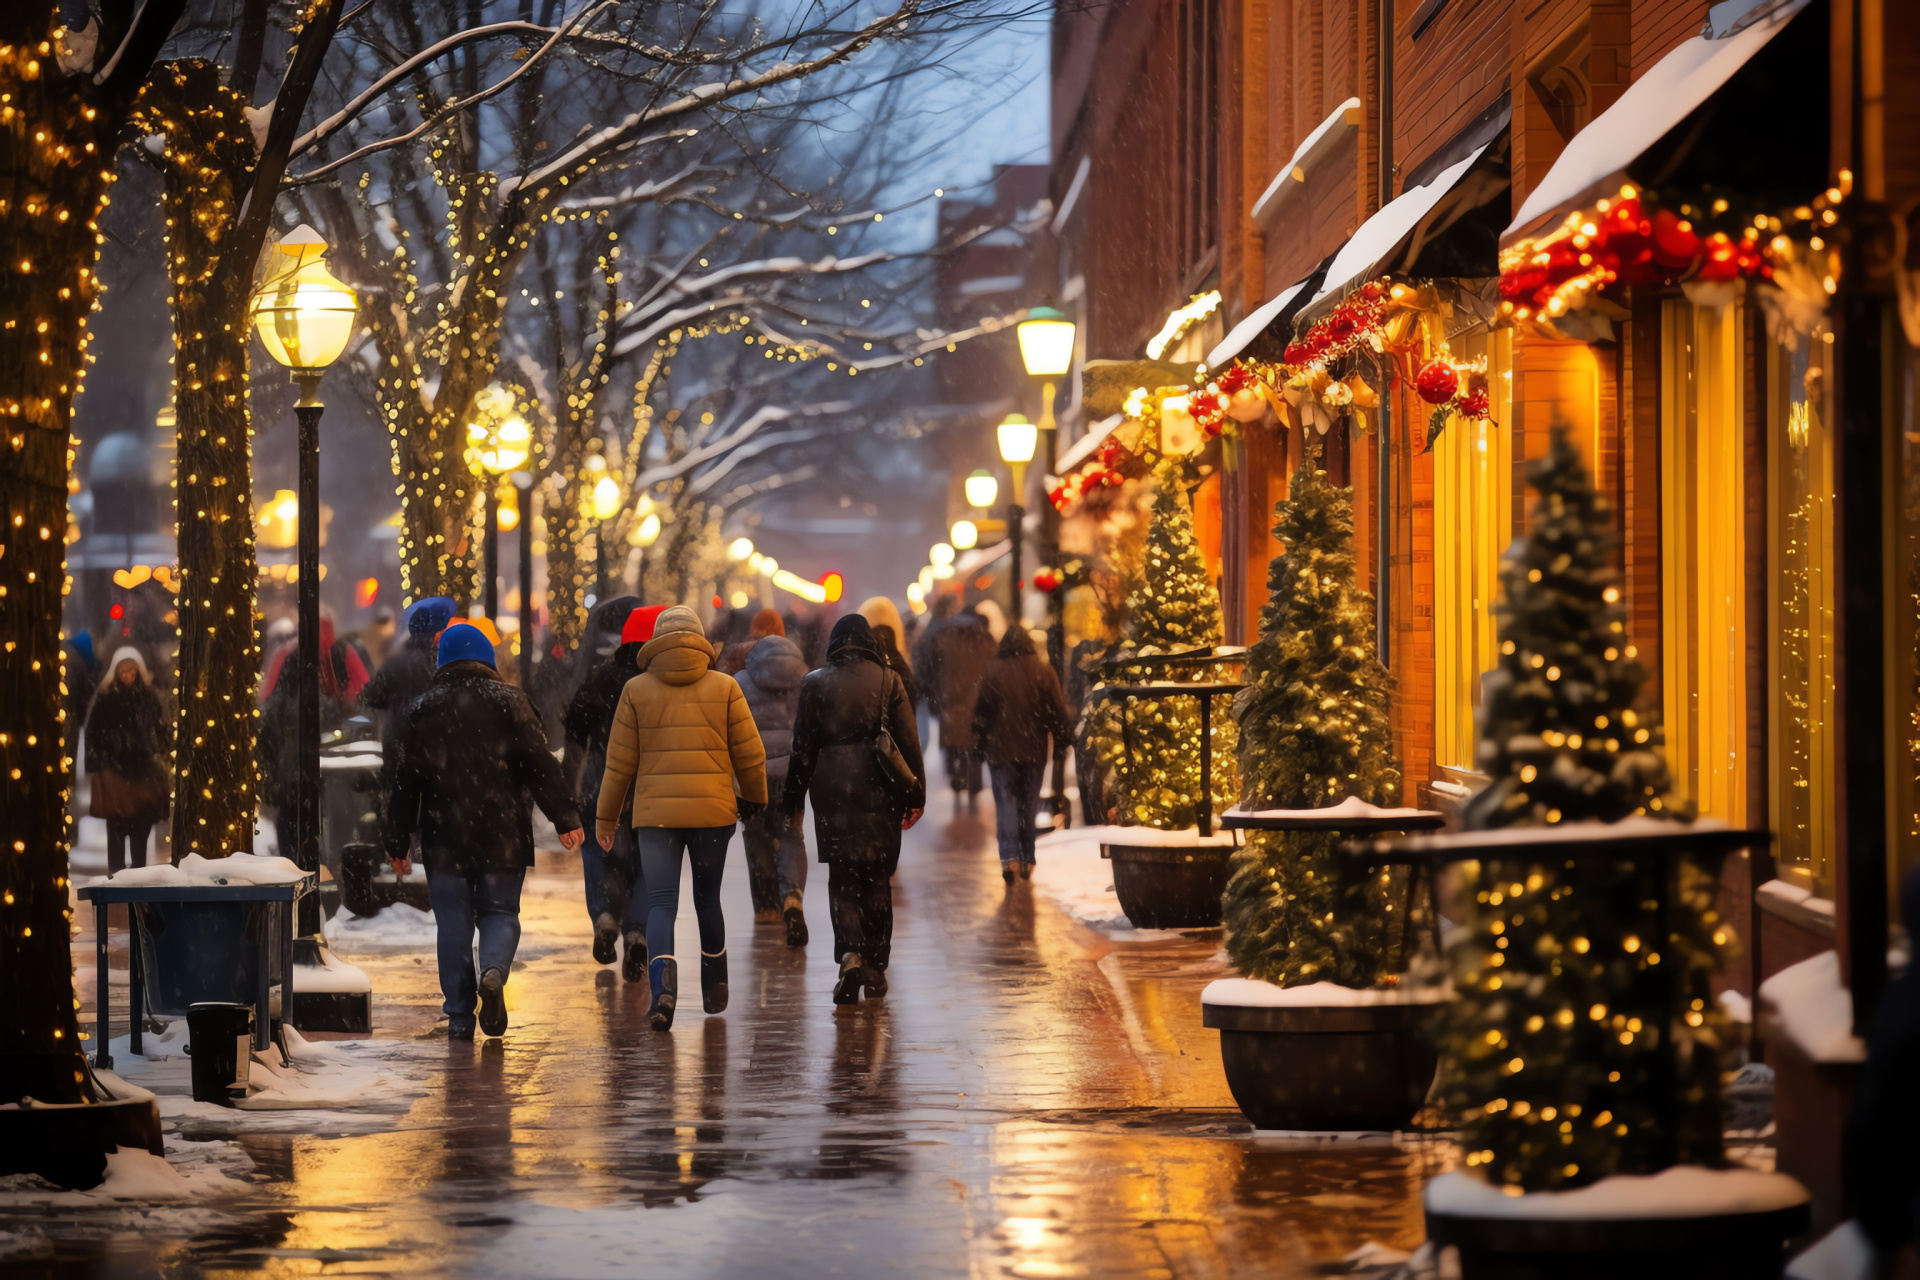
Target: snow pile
396, 926
1353, 807
1250, 993
1814, 1010
194, 870
1844, 1253
1685, 1191
1155, 838
1070, 871
331, 975
191, 1171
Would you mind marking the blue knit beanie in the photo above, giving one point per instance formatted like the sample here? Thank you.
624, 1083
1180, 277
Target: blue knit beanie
428, 618
464, 643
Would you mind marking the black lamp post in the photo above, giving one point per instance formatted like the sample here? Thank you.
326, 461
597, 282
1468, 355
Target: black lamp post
523, 481
1046, 349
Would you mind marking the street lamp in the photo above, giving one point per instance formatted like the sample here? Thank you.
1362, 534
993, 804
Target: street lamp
305, 318
965, 535
1046, 349
499, 441
941, 553
1018, 438
600, 503
982, 490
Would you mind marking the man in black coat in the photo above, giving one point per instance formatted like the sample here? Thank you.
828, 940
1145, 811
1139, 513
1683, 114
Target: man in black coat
470, 757
858, 812
408, 669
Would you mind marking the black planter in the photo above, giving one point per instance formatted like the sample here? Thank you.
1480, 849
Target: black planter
68, 1145
1169, 887
1732, 1246
1326, 1067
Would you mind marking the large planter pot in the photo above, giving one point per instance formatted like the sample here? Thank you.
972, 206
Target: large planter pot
1322, 1067
1169, 886
1685, 1223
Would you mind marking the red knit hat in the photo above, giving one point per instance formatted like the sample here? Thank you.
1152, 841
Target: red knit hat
639, 627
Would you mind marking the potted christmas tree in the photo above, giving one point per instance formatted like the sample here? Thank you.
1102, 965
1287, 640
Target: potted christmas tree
1323, 1032
1166, 759
1582, 1054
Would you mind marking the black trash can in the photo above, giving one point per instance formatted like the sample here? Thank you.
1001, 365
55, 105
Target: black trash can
220, 1042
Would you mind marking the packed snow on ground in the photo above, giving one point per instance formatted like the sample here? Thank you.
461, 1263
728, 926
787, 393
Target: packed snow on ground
1815, 1009
396, 926
336, 1086
1685, 1191
1844, 1253
1069, 870
1250, 993
194, 870
192, 1173
332, 975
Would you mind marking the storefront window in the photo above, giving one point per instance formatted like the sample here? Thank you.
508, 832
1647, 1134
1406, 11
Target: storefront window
1703, 554
1473, 523
1800, 568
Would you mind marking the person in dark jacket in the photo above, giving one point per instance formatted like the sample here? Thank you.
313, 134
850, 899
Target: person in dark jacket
776, 843
343, 678
81, 675
613, 875
733, 659
127, 774
885, 640
957, 659
1884, 1127
408, 669
471, 758
858, 812
1020, 706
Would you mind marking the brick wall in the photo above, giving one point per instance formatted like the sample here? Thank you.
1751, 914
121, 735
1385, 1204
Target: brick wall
1661, 26
1456, 69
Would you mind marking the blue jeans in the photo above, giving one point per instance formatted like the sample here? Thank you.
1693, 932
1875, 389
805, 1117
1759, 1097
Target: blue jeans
489, 902
613, 880
1016, 799
706, 849
776, 860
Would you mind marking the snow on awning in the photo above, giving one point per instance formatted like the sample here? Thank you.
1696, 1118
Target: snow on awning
1395, 235
1087, 445
1597, 158
1293, 175
1247, 330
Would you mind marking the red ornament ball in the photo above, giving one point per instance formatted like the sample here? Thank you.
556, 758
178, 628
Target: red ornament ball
1438, 383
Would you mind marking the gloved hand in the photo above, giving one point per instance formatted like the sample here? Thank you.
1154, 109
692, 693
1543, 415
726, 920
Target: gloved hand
750, 810
604, 833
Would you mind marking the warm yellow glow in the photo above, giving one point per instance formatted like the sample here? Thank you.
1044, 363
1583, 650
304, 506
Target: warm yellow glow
738, 599
787, 580
965, 535
606, 498
303, 315
509, 519
941, 571
1018, 439
647, 532
916, 594
982, 489
1182, 319
498, 439
278, 524
1046, 343
925, 581
739, 549
940, 554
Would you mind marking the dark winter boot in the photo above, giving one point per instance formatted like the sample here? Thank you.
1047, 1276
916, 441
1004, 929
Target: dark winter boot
606, 938
1006, 872
875, 981
796, 925
713, 982
634, 967
664, 974
493, 1002
852, 974
1026, 871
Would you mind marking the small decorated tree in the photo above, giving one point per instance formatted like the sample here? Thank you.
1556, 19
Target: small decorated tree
1313, 731
1148, 748
1556, 1055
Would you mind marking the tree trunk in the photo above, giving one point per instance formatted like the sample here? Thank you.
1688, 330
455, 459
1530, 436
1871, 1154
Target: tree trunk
209, 152
55, 166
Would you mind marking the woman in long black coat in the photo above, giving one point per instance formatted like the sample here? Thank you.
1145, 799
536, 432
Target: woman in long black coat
127, 777
858, 813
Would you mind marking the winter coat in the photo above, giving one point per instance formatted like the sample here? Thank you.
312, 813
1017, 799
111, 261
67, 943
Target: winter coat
1882, 1131
856, 814
470, 760
897, 663
404, 676
277, 748
1020, 705
770, 682
681, 736
957, 660
589, 717
128, 778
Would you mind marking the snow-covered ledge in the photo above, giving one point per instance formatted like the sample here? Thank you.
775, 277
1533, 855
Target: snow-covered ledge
1315, 147
1685, 1191
1797, 907
1251, 993
1807, 1004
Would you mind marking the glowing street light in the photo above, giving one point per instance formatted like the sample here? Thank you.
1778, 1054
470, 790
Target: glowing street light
983, 490
647, 532
965, 535
739, 549
1018, 439
940, 554
499, 442
1046, 343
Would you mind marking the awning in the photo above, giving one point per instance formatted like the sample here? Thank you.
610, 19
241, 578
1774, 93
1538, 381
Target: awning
1772, 127
1247, 330
1087, 445
1292, 178
1448, 227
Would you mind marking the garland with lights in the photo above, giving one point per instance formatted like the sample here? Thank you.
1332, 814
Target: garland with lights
1313, 730
1551, 1051
1173, 607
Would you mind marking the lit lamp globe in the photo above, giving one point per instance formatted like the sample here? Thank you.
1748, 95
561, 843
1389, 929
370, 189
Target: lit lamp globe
606, 498
982, 489
499, 439
739, 549
1018, 439
304, 316
647, 532
1046, 343
965, 535
940, 554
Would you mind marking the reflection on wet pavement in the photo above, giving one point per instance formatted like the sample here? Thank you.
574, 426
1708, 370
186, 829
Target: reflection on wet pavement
1033, 1099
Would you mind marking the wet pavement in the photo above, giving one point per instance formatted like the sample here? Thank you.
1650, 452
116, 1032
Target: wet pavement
1032, 1099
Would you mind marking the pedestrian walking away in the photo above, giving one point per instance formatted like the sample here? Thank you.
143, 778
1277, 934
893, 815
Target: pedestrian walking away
733, 659
682, 741
127, 775
958, 656
611, 876
859, 808
776, 843
471, 760
1019, 708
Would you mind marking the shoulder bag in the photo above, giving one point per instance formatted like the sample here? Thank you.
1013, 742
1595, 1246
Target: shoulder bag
886, 752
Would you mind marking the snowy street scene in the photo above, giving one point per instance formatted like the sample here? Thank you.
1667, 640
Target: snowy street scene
1029, 638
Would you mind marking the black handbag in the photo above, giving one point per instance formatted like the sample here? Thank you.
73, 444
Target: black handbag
886, 752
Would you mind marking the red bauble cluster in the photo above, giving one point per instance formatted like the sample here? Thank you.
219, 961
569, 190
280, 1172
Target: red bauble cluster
1342, 329
1438, 383
1210, 404
1631, 245
1092, 478
1045, 579
1455, 388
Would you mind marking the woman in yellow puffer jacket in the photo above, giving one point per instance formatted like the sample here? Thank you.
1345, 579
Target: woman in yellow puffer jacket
682, 740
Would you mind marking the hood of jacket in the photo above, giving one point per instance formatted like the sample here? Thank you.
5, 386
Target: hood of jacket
776, 665
678, 657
